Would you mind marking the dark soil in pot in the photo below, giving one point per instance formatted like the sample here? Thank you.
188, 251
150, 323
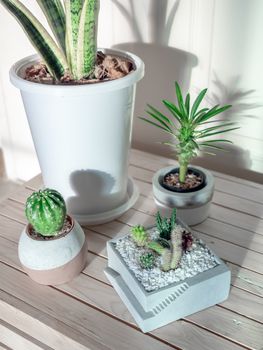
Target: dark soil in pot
108, 67
67, 227
195, 180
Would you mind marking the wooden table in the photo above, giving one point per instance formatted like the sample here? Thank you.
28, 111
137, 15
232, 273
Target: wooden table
88, 314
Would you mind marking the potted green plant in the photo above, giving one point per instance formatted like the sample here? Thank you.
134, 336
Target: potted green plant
164, 273
52, 247
188, 188
79, 104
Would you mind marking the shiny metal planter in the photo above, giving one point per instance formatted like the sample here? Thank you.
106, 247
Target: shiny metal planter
192, 207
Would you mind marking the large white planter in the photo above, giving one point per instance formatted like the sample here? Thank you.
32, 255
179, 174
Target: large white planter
192, 207
157, 308
82, 136
54, 261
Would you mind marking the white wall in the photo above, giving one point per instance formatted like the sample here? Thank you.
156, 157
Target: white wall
200, 43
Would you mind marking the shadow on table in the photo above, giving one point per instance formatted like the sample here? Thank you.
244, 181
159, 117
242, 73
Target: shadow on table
92, 193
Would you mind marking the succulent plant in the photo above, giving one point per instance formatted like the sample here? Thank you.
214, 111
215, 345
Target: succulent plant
147, 260
190, 126
177, 249
46, 212
165, 253
187, 241
170, 256
165, 225
74, 25
139, 235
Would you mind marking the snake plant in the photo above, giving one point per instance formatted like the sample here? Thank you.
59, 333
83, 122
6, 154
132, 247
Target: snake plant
74, 25
190, 126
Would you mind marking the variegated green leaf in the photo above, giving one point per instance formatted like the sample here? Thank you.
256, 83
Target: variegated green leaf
87, 38
73, 10
39, 37
55, 15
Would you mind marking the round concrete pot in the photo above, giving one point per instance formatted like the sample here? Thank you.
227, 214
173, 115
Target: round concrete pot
192, 207
82, 136
55, 261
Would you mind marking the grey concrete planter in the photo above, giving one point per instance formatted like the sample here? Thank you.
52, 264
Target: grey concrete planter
155, 309
192, 207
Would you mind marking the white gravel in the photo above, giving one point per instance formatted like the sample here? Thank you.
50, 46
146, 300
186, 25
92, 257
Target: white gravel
199, 259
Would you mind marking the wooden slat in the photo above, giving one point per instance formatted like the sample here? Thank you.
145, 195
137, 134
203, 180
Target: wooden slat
238, 236
103, 296
4, 347
104, 332
247, 280
46, 329
245, 304
16, 339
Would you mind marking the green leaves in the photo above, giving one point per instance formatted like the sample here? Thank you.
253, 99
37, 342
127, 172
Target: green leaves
187, 125
74, 28
87, 38
55, 16
197, 103
81, 35
39, 37
73, 12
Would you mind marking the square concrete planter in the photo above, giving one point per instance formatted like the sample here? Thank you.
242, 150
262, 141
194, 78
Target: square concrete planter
154, 309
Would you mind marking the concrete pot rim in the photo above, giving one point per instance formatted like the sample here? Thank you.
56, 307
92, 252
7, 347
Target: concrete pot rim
76, 90
173, 199
51, 238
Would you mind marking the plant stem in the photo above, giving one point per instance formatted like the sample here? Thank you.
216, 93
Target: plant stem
182, 172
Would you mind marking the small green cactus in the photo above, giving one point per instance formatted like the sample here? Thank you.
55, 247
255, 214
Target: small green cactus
165, 225
139, 235
46, 212
147, 261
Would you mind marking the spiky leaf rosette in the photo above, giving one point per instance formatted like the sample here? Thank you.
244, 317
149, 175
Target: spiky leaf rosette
165, 225
46, 211
191, 126
147, 261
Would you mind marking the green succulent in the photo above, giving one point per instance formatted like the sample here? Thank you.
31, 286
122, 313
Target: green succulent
165, 225
147, 260
74, 25
190, 126
139, 235
46, 211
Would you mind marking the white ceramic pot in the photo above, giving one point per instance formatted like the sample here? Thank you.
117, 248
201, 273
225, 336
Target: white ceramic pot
82, 136
55, 261
192, 207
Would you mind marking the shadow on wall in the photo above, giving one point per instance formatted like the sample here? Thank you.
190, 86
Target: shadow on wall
164, 65
93, 192
236, 160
